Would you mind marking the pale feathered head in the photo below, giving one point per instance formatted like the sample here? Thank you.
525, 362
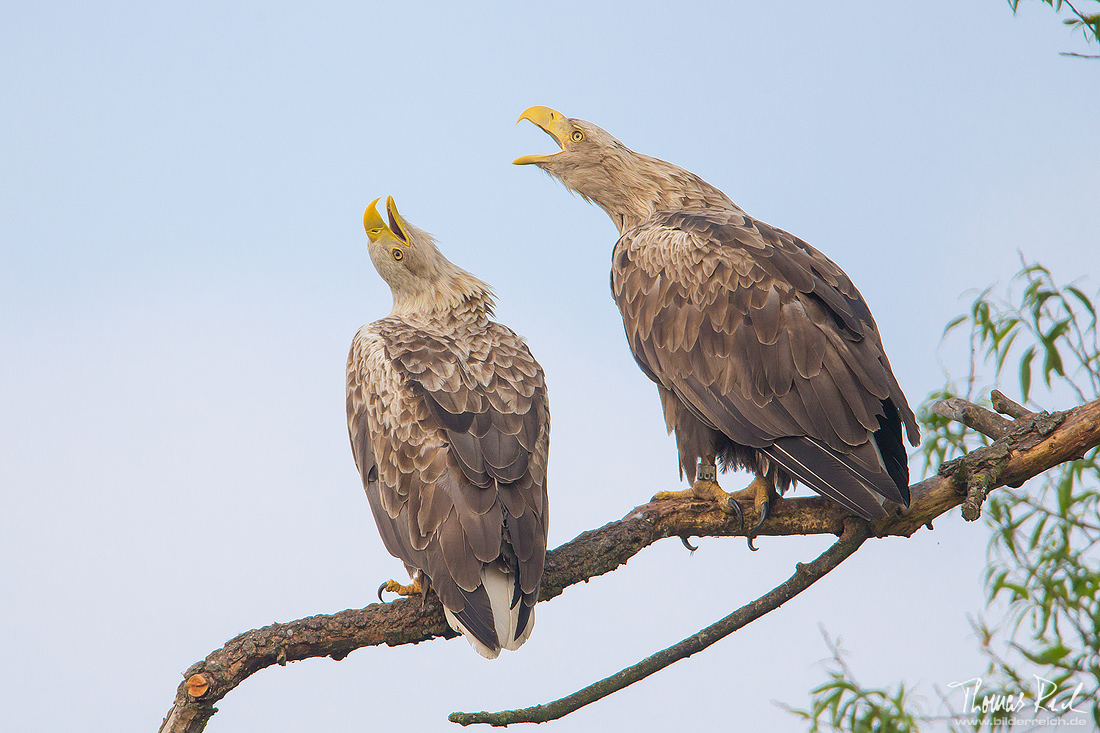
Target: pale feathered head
590, 161
629, 186
421, 279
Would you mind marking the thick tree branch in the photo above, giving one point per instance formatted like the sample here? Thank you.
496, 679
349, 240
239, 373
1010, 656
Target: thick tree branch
855, 532
1034, 444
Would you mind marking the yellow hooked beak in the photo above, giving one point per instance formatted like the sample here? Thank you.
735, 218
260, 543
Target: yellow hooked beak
378, 229
373, 222
550, 121
397, 224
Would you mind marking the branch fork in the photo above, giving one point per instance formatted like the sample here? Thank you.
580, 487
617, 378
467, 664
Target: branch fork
980, 471
1029, 444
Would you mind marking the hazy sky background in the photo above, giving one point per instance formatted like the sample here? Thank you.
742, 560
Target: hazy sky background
183, 267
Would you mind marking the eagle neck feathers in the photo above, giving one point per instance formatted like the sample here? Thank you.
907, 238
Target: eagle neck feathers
455, 295
632, 187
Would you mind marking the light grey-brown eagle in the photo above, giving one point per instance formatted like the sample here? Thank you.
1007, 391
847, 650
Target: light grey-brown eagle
450, 430
764, 353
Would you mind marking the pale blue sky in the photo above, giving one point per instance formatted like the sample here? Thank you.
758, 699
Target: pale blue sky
183, 267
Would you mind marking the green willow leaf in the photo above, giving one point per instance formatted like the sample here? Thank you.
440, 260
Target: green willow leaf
1025, 371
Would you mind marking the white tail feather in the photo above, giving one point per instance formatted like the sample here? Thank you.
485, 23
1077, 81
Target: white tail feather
500, 587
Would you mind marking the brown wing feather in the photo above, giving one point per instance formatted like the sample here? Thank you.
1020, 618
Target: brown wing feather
450, 432
766, 341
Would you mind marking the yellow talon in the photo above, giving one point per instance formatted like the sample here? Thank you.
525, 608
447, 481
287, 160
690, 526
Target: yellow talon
707, 490
412, 589
759, 491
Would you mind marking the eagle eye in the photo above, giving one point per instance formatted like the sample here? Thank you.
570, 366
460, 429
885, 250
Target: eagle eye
577, 136
397, 254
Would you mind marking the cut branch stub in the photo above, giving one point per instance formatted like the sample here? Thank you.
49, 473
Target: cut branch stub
978, 486
198, 685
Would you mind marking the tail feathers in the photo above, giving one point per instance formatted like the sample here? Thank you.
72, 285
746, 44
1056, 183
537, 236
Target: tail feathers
836, 476
495, 616
891, 448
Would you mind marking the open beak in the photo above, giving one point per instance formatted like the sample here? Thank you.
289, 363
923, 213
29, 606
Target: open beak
372, 221
550, 121
397, 224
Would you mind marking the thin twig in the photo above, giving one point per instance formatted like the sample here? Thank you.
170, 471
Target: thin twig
1075, 11
855, 532
1027, 501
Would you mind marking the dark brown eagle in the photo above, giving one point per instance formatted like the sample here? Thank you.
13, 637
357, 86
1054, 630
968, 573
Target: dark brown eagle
764, 353
450, 430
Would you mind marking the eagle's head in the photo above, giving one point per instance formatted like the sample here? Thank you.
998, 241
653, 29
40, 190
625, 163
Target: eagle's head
421, 279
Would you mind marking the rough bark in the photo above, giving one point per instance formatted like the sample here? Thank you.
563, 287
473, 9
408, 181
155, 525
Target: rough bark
972, 416
1033, 443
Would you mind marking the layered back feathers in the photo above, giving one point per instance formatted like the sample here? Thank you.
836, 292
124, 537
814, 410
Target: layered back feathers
449, 424
764, 352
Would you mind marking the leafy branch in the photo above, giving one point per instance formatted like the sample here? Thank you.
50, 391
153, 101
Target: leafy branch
1043, 573
1089, 24
843, 704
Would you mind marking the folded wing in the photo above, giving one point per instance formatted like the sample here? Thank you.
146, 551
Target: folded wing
766, 340
450, 434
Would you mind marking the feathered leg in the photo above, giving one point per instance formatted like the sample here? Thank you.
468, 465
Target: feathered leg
698, 445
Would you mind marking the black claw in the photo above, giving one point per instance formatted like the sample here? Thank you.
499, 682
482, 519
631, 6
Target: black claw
736, 507
380, 589
764, 507
688, 544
